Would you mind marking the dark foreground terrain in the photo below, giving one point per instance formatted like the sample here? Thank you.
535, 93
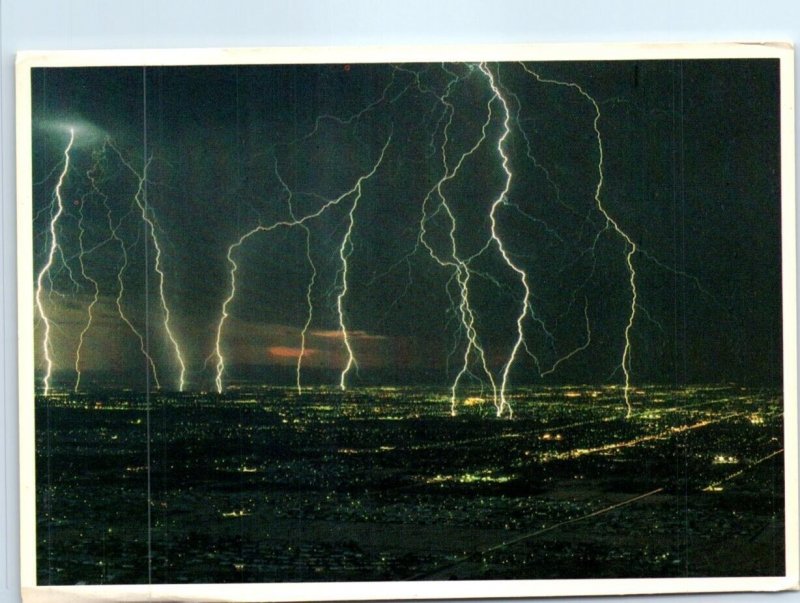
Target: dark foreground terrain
265, 485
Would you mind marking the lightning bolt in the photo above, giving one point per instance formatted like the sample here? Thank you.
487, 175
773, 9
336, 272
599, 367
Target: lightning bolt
92, 304
45, 271
309, 306
113, 235
523, 276
459, 130
345, 250
292, 222
311, 280
576, 350
121, 311
146, 212
630, 245
92, 175
460, 269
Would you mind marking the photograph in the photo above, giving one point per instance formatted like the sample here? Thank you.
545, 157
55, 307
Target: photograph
503, 315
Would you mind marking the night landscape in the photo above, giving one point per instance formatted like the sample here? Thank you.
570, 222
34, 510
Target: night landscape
440, 321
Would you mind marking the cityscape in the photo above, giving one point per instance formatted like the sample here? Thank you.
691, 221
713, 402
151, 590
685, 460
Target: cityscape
267, 485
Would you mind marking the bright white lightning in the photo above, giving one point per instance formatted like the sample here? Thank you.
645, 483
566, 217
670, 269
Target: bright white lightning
523, 276
146, 217
274, 226
124, 317
468, 321
437, 208
625, 363
121, 272
49, 263
461, 269
345, 250
112, 236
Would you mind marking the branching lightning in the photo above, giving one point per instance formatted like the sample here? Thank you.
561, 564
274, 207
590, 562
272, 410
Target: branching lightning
290, 223
523, 277
92, 304
625, 363
577, 350
344, 253
55, 249
45, 271
461, 270
123, 250
151, 228
472, 119
309, 287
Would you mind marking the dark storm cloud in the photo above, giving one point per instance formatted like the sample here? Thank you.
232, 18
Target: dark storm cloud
691, 158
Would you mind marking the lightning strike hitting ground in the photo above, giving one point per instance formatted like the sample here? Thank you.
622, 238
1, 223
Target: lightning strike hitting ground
293, 222
309, 306
311, 280
461, 271
113, 230
95, 295
136, 205
147, 218
92, 176
470, 120
436, 205
54, 217
344, 253
625, 363
523, 277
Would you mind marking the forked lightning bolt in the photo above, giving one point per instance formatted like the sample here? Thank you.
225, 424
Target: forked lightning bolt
290, 223
309, 287
345, 250
113, 235
147, 218
123, 250
54, 245
625, 363
95, 296
523, 277
461, 271
309, 307
444, 238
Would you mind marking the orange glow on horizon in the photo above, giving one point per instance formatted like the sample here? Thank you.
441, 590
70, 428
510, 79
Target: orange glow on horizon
282, 351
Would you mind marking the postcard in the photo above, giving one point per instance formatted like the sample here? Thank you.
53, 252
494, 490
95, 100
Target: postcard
404, 323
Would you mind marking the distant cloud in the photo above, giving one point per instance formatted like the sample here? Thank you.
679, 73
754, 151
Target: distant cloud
282, 351
337, 334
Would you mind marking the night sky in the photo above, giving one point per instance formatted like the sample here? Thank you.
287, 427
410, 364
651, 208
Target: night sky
690, 176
